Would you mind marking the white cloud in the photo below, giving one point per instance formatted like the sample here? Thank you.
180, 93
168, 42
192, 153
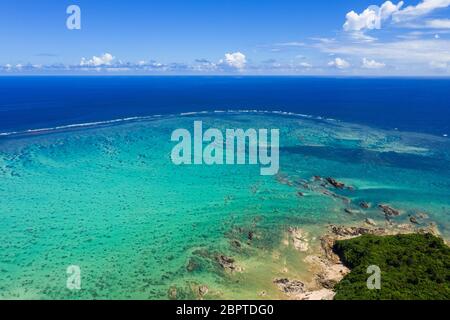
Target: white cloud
103, 60
235, 60
372, 64
438, 65
324, 40
374, 16
423, 8
371, 18
339, 63
407, 56
290, 44
305, 65
204, 65
360, 36
438, 24
20, 67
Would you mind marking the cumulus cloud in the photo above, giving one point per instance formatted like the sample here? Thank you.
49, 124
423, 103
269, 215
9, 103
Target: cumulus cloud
235, 60
339, 63
108, 63
372, 17
372, 64
95, 61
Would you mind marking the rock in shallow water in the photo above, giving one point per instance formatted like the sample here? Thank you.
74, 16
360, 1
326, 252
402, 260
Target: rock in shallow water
389, 211
299, 239
290, 286
364, 205
413, 220
335, 183
203, 290
228, 263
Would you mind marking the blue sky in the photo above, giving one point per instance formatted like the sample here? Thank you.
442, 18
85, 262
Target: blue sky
286, 37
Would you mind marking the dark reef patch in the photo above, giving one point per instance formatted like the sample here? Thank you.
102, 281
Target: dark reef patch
356, 155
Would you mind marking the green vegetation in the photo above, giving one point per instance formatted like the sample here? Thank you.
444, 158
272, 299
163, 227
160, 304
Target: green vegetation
413, 266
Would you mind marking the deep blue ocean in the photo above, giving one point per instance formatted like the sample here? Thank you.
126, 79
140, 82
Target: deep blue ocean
421, 105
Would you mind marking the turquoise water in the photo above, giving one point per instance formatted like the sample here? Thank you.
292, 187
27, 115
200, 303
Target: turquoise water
109, 199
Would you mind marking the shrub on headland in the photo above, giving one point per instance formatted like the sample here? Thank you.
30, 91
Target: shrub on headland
413, 266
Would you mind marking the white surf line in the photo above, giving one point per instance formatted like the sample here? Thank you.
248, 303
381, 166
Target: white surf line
129, 119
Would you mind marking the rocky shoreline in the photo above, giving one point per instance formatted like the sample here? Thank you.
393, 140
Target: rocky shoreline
325, 265
322, 262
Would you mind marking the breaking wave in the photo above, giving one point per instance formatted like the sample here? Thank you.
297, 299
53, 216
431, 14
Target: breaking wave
153, 117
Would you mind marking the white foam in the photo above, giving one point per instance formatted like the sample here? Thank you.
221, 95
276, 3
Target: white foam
131, 119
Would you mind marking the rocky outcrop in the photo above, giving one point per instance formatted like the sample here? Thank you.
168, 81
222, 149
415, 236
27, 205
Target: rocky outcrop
430, 228
321, 294
364, 205
337, 196
389, 211
413, 220
335, 183
351, 211
299, 239
192, 265
235, 243
290, 287
326, 266
172, 293
203, 290
422, 215
346, 232
339, 233
326, 243
284, 179
227, 263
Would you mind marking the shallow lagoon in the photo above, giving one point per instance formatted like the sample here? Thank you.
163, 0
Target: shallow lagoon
110, 200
